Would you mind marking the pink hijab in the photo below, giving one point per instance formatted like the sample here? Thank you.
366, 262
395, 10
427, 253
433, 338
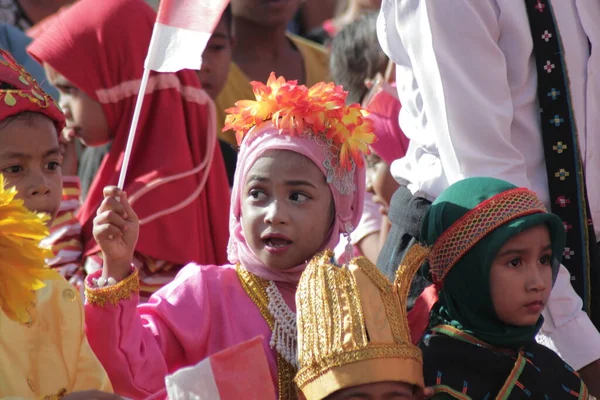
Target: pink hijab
348, 207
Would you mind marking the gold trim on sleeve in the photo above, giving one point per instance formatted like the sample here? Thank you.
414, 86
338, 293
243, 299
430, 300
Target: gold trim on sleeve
113, 294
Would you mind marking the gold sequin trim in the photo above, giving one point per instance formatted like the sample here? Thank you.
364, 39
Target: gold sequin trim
329, 293
331, 320
62, 393
113, 294
309, 374
391, 304
256, 288
457, 240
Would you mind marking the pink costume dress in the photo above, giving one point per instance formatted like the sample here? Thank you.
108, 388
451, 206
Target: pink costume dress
209, 308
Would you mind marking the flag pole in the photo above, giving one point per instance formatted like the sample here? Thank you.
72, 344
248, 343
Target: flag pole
134, 124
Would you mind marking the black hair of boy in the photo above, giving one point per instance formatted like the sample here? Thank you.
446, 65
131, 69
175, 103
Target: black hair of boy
355, 56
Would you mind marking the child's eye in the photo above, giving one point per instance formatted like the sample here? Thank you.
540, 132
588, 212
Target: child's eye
67, 89
216, 47
545, 259
53, 165
299, 197
515, 262
13, 169
256, 194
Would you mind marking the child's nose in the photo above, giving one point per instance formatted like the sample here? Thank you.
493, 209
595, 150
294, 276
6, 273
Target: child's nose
64, 105
275, 213
535, 279
38, 185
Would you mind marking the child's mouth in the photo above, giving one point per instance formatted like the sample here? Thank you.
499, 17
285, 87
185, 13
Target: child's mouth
276, 244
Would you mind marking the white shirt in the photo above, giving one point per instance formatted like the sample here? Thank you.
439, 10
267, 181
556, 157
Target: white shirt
466, 77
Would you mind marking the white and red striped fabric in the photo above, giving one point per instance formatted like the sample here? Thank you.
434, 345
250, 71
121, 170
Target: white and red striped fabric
181, 32
238, 372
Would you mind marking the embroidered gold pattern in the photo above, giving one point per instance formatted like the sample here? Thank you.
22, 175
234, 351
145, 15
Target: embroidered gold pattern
392, 351
412, 261
457, 240
394, 312
332, 324
113, 294
62, 393
35, 94
256, 288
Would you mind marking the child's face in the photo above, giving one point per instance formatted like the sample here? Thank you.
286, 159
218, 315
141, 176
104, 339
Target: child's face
286, 209
375, 391
269, 13
30, 161
216, 60
85, 118
521, 277
380, 182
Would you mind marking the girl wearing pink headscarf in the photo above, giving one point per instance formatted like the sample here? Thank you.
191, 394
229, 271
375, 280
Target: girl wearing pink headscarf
299, 184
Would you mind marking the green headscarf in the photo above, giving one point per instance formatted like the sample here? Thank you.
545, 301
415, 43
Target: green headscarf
465, 300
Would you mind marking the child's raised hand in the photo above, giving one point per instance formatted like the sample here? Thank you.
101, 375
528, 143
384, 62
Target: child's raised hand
116, 229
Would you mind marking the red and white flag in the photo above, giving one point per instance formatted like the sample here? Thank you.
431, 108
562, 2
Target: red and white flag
181, 32
239, 372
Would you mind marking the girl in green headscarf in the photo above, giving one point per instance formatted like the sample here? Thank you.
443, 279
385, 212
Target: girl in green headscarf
494, 255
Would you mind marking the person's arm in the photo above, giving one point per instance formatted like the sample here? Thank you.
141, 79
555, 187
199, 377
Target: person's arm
369, 246
383, 232
139, 345
366, 234
462, 78
569, 332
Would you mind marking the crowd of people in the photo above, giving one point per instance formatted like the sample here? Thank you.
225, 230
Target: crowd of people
366, 200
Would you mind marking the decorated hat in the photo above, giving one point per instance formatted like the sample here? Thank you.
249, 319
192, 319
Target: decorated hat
462, 233
20, 92
319, 112
352, 328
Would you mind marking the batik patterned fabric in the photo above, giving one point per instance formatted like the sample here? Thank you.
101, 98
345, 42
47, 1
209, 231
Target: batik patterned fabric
564, 167
533, 372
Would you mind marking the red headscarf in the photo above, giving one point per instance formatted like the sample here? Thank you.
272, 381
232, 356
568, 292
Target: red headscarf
100, 46
19, 93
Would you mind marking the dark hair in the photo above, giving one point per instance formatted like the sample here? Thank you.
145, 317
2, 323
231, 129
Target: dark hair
227, 16
355, 56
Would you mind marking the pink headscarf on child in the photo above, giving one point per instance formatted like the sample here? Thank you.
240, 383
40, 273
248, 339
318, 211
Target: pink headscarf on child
348, 207
316, 123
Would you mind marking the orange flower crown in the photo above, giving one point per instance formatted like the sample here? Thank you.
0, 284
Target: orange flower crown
320, 110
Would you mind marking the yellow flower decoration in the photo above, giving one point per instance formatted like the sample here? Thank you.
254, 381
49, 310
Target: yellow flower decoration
296, 109
22, 259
